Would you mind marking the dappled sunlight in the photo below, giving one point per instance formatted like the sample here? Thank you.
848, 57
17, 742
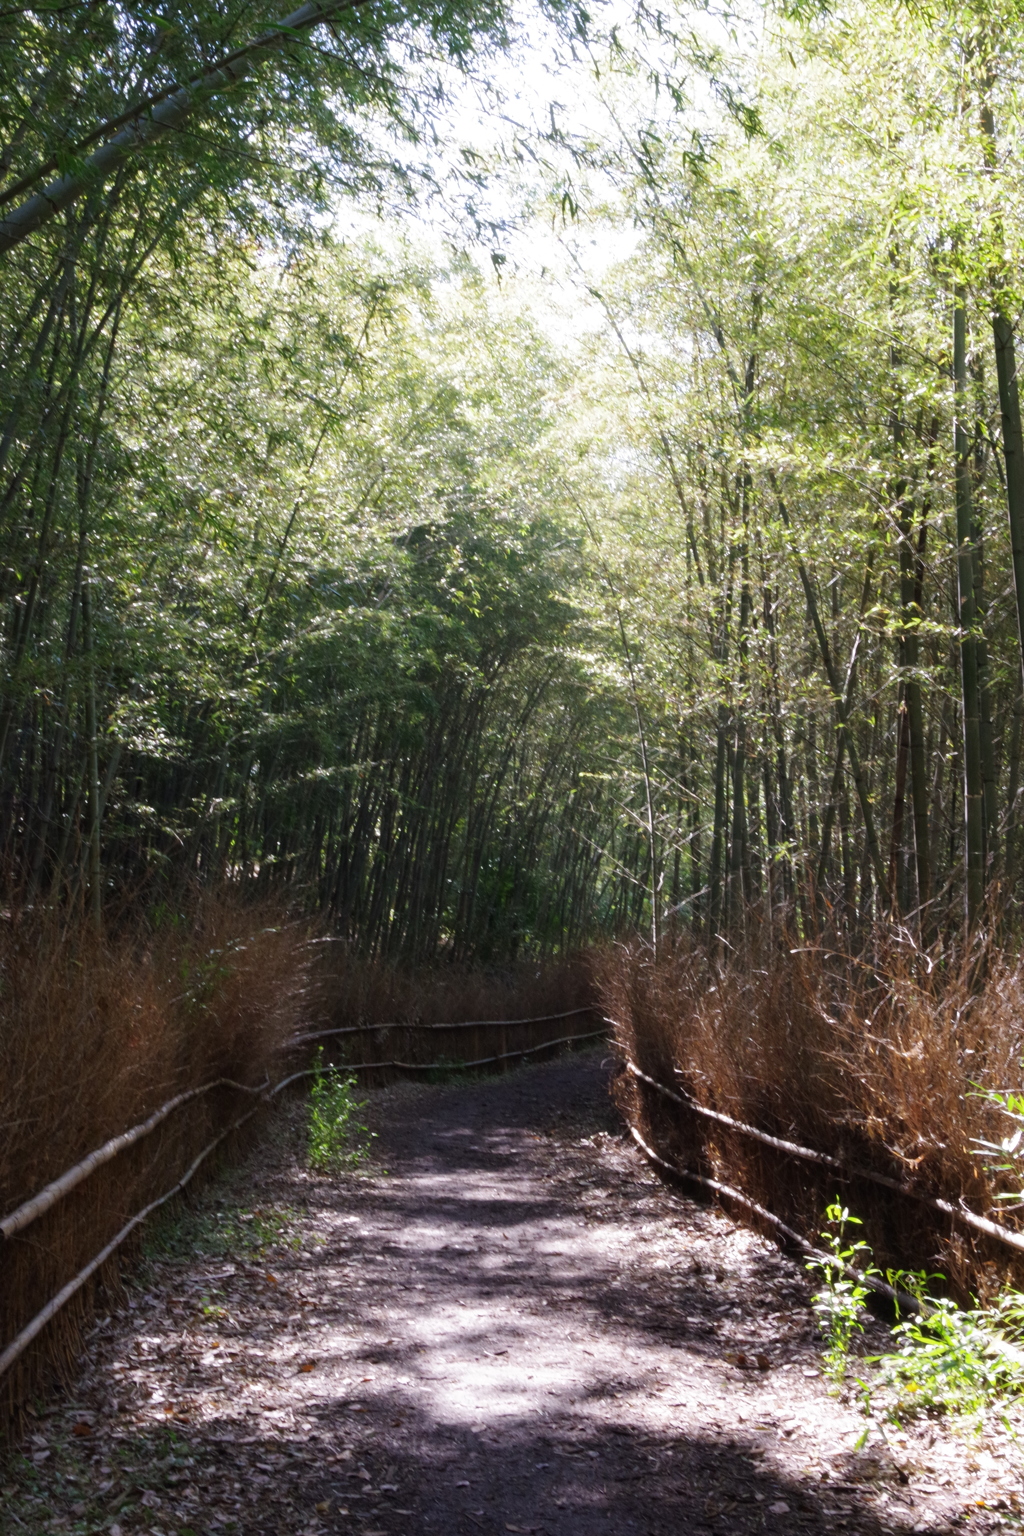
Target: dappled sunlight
507, 1330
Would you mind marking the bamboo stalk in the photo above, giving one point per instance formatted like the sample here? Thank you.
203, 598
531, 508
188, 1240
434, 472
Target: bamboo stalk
165, 113
974, 816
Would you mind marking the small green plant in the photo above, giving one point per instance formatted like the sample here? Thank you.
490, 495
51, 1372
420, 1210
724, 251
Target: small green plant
447, 1070
337, 1139
946, 1359
1008, 1153
839, 1305
951, 1360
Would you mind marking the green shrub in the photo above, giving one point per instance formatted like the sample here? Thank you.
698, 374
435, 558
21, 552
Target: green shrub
337, 1139
950, 1360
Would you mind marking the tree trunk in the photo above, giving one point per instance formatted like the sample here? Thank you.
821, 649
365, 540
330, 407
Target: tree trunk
974, 815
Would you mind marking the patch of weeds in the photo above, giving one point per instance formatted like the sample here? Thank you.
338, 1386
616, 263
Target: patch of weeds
960, 1363
839, 1305
85, 1485
336, 1136
447, 1070
949, 1360
218, 1230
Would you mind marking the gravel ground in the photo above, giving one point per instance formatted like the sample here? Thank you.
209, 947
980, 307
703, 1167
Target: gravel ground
514, 1328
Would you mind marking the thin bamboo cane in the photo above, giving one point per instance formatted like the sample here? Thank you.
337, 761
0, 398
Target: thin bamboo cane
967, 615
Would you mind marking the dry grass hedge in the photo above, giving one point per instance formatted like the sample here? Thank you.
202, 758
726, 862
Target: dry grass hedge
94, 1036
874, 1058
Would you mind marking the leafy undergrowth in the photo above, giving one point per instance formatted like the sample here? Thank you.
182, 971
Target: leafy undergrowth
218, 1228
965, 1366
126, 1480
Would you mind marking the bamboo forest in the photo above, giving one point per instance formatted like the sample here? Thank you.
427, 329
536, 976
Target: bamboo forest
332, 564
515, 513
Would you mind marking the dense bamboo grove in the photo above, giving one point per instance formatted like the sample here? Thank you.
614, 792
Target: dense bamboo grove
287, 577
327, 569
812, 358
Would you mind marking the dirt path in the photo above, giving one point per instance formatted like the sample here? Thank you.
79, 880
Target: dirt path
517, 1328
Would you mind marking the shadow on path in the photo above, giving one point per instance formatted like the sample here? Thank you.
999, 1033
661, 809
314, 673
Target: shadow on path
516, 1328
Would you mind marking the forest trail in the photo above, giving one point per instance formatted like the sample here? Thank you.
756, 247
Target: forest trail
516, 1328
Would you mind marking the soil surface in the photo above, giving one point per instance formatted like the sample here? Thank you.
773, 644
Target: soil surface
516, 1328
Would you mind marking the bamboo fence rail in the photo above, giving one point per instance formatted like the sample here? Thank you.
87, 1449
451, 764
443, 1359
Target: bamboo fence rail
362, 1029
481, 1061
808, 1154
48, 1197
989, 1343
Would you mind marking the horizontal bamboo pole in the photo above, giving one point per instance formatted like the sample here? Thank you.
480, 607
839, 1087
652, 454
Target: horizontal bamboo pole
911, 1303
48, 1197
362, 1029
20, 1343
959, 1212
447, 1066
55, 1191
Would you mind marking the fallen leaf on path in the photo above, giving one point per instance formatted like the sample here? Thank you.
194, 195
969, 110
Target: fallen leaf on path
323, 1506
306, 1366
82, 1429
738, 1358
779, 1508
